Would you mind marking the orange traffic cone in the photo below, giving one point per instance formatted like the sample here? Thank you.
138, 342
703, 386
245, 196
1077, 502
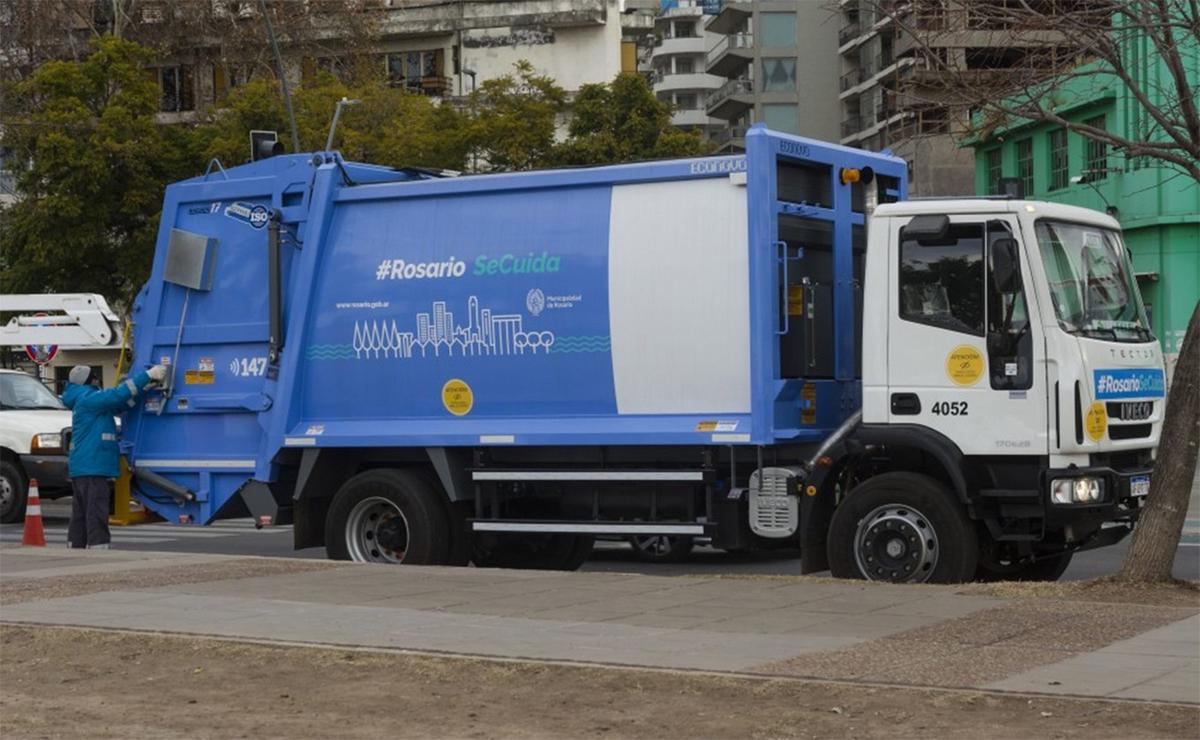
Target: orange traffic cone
35, 535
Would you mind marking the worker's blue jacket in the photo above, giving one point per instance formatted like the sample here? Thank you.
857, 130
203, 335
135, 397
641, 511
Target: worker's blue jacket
94, 448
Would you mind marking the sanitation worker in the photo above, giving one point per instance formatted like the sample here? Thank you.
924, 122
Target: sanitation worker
94, 457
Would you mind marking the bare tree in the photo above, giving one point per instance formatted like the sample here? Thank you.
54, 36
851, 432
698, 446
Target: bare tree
1013, 60
1156, 539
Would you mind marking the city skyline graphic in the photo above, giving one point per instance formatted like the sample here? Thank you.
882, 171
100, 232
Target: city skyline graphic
436, 335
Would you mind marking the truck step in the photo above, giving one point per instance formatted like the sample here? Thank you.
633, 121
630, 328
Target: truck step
582, 527
661, 476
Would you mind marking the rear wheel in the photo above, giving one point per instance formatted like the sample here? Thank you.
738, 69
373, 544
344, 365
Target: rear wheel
531, 551
388, 516
13, 489
902, 528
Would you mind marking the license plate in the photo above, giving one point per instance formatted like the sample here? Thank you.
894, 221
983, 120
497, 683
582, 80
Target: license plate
1135, 410
1139, 485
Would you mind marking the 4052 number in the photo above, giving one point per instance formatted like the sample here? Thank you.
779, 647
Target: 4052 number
949, 408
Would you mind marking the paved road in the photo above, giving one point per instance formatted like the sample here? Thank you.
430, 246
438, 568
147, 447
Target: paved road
239, 537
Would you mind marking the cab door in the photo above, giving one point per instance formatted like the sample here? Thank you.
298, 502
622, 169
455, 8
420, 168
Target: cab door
964, 358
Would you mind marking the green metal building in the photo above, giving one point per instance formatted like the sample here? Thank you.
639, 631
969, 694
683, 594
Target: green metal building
1158, 207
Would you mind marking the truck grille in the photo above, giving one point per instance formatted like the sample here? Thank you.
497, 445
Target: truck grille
1129, 431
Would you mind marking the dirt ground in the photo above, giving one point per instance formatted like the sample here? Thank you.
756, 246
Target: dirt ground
77, 683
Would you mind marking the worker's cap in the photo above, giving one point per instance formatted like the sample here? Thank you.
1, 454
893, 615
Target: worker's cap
80, 374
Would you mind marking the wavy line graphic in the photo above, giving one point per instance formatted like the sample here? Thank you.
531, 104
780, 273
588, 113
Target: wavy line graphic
330, 352
599, 343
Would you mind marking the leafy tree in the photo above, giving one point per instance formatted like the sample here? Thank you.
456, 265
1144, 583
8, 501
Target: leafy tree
623, 121
389, 126
97, 163
513, 120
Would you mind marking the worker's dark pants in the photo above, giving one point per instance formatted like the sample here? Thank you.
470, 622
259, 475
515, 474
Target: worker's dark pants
89, 512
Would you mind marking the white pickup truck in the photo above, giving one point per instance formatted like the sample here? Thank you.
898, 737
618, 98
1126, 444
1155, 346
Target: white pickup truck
32, 425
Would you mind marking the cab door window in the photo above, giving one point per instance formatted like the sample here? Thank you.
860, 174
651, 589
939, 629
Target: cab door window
1009, 345
942, 277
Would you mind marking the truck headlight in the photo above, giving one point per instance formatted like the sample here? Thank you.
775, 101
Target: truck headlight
1077, 490
47, 442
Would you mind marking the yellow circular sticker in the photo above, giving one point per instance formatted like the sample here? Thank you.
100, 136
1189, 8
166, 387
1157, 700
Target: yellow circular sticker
457, 397
1096, 422
964, 365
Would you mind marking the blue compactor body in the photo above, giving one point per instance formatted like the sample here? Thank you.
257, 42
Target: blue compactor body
553, 354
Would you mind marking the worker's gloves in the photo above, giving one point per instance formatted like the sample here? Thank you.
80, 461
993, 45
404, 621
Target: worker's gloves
158, 373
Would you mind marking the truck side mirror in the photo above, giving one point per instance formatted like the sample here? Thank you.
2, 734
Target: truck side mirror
1006, 264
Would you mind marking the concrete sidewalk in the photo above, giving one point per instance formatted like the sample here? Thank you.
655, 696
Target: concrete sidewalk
814, 628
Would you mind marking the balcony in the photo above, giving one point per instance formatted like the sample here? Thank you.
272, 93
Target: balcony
849, 32
730, 99
680, 45
686, 81
851, 126
732, 18
731, 55
852, 78
691, 119
730, 138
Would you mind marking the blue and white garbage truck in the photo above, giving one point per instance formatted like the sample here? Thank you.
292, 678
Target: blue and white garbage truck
768, 350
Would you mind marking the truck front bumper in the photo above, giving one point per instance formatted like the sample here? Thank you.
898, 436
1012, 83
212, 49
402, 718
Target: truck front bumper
51, 473
1083, 522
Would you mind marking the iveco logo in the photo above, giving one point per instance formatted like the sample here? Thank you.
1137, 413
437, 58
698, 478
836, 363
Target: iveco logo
1013, 443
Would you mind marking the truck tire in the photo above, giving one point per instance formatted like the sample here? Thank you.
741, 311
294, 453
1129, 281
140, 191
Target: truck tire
660, 548
388, 516
531, 551
1044, 569
902, 528
13, 489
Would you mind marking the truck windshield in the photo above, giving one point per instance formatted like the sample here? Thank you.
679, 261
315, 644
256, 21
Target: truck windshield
1091, 282
19, 391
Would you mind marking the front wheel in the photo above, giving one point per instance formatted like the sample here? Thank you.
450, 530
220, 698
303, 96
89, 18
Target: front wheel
13, 489
388, 516
902, 528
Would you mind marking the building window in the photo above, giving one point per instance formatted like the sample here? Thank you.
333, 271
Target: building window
418, 71
1025, 166
1058, 159
1097, 153
178, 90
684, 65
785, 118
687, 101
778, 29
779, 75
941, 280
685, 30
994, 171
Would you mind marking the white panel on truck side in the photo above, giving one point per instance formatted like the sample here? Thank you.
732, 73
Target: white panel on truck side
678, 296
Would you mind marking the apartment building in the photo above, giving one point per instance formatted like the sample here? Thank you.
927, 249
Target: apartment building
778, 64
440, 49
677, 60
891, 52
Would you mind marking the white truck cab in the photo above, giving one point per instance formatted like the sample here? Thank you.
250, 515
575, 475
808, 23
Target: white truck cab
1007, 355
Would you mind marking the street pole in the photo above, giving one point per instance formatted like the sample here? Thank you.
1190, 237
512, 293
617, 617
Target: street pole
474, 150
